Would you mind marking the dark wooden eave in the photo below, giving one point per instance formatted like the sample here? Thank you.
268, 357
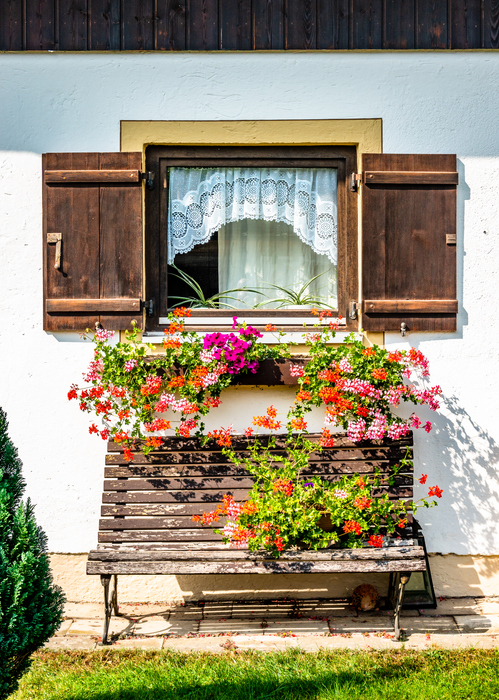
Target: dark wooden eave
247, 25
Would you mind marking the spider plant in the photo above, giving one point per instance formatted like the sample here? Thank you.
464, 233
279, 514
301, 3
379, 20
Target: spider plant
198, 300
300, 297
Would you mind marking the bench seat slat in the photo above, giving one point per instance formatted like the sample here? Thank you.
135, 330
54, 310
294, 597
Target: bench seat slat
159, 535
384, 553
254, 567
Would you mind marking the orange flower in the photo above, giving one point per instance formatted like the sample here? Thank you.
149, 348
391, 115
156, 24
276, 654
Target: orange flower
153, 442
270, 327
435, 491
268, 421
174, 327
376, 540
222, 436
176, 382
127, 454
379, 374
181, 312
298, 424
361, 502
284, 486
326, 439
367, 352
172, 343
303, 395
352, 526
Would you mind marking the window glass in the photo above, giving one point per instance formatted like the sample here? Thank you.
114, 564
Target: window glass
249, 232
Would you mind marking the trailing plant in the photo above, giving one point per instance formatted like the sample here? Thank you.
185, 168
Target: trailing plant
31, 605
360, 386
289, 508
131, 391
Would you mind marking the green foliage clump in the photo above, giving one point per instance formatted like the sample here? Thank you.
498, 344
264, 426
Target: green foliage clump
30, 604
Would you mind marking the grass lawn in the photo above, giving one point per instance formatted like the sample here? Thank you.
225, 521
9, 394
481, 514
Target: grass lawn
376, 675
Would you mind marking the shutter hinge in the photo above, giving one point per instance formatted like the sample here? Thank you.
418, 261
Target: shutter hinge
354, 180
148, 306
149, 178
353, 309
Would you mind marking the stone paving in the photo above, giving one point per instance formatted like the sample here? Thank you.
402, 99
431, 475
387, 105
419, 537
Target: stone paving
308, 624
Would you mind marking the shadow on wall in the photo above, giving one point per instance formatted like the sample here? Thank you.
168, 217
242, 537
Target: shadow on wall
470, 456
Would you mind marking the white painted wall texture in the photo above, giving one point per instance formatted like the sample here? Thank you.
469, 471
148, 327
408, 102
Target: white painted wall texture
429, 103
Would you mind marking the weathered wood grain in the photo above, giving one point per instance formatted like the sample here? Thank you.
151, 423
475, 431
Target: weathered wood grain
366, 554
97, 176
254, 567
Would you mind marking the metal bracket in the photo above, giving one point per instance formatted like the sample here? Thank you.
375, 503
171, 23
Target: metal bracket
57, 239
403, 328
353, 182
149, 177
353, 309
148, 306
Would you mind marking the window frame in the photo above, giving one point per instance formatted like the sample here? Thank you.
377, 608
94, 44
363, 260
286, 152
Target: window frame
160, 158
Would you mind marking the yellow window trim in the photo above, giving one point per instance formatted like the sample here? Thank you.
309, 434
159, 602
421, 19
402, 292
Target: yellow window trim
365, 134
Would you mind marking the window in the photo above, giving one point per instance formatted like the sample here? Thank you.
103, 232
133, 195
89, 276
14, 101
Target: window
251, 222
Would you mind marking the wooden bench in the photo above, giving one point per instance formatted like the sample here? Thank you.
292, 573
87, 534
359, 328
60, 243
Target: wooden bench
147, 509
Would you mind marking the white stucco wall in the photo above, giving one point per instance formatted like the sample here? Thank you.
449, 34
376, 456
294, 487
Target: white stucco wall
429, 103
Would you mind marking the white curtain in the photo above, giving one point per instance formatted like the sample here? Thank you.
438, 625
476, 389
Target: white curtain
201, 200
256, 254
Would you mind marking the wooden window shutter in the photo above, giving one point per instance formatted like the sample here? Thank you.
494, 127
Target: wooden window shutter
409, 242
92, 240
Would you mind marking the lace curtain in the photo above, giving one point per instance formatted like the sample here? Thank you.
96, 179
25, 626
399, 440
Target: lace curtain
201, 200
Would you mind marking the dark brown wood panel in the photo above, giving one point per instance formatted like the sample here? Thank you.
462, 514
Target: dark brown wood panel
105, 25
11, 25
301, 24
202, 25
491, 24
138, 26
431, 27
170, 25
466, 23
40, 21
404, 243
268, 24
73, 25
399, 29
235, 25
333, 24
212, 25
367, 24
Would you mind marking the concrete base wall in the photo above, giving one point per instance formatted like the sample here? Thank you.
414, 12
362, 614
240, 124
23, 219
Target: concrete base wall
453, 575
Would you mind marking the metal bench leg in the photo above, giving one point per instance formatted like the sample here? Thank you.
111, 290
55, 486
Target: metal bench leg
105, 580
404, 578
114, 595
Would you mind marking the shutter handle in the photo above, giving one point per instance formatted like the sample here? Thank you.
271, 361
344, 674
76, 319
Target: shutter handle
57, 239
403, 328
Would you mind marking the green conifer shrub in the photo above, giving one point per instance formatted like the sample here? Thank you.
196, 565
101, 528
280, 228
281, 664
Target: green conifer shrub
31, 605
